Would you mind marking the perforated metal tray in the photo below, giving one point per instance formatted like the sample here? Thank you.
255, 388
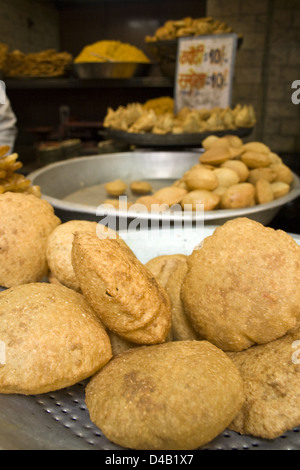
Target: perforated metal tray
60, 420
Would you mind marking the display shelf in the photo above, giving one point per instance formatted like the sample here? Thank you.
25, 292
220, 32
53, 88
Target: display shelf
73, 83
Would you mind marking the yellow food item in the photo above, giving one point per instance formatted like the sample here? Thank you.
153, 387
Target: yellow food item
107, 50
161, 105
48, 63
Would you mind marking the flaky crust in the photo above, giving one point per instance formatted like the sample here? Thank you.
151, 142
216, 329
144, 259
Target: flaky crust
59, 250
271, 376
177, 395
25, 224
121, 290
52, 339
243, 285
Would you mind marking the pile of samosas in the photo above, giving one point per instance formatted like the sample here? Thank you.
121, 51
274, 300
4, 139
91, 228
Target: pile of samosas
144, 119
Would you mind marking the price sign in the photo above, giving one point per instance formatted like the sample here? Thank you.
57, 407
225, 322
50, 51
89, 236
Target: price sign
204, 71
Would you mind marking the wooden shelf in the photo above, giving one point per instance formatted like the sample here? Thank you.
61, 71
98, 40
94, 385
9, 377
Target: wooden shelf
73, 83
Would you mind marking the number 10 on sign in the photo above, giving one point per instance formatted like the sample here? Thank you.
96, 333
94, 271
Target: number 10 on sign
204, 71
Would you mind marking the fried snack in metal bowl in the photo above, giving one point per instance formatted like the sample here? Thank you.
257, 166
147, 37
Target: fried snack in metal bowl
25, 224
177, 395
243, 285
52, 339
121, 290
271, 379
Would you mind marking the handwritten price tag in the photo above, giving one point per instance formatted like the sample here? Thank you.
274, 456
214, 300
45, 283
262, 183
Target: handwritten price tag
204, 71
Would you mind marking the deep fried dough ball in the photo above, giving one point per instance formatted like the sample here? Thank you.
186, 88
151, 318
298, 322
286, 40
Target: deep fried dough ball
121, 290
53, 339
271, 379
178, 395
243, 285
25, 224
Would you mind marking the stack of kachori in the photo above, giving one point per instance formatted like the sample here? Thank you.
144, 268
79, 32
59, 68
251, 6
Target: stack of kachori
174, 350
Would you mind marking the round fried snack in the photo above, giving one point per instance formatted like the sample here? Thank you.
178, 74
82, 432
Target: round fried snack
141, 187
59, 248
52, 338
25, 224
116, 188
243, 285
201, 178
238, 196
271, 379
170, 195
182, 329
122, 291
163, 266
208, 199
177, 395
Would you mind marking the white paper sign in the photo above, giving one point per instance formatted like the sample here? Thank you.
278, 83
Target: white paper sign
204, 71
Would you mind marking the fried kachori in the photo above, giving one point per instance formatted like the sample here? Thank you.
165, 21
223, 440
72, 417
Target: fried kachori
122, 291
271, 376
163, 266
177, 395
243, 285
52, 338
26, 221
59, 248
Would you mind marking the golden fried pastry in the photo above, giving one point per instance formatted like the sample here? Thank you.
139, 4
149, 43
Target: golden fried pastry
256, 147
170, 195
280, 189
263, 192
140, 187
201, 178
283, 173
52, 338
163, 266
238, 196
226, 177
122, 291
271, 379
116, 188
243, 286
177, 395
256, 160
208, 199
59, 250
25, 224
215, 155
267, 174
182, 329
239, 167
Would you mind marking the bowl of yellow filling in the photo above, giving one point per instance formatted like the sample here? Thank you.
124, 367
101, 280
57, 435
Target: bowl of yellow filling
111, 59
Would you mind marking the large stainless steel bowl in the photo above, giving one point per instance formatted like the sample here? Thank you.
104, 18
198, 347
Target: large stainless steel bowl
75, 187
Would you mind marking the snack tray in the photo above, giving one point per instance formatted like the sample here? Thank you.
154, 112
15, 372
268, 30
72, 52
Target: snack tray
183, 140
60, 420
76, 187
